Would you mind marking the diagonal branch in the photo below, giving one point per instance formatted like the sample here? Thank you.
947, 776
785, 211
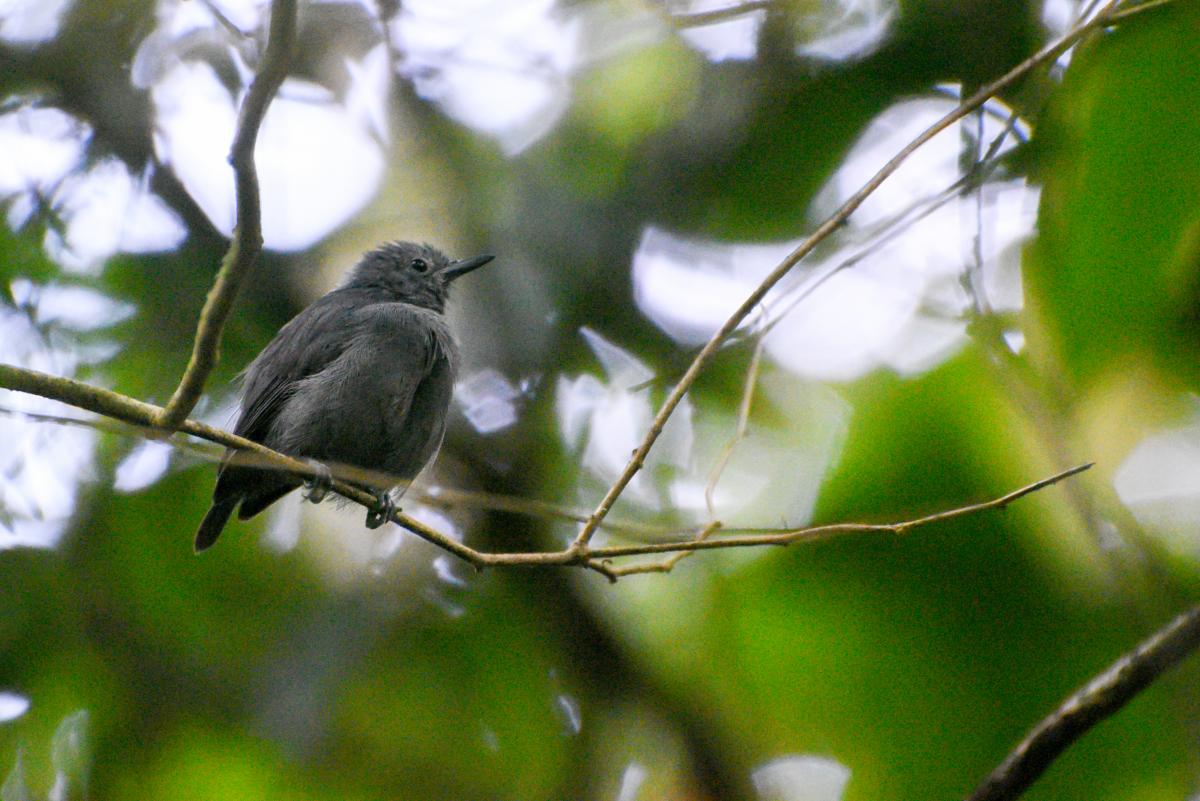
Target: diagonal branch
246, 244
135, 412
1098, 699
696, 19
636, 461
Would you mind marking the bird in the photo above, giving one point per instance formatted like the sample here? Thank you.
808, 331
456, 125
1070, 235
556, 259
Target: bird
361, 379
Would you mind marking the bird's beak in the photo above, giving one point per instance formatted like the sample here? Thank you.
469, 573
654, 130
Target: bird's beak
460, 268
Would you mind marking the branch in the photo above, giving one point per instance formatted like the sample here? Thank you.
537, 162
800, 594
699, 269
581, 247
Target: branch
696, 19
1133, 11
434, 495
835, 221
145, 415
1098, 699
246, 244
790, 536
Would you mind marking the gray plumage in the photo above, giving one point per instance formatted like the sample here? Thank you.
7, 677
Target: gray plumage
362, 378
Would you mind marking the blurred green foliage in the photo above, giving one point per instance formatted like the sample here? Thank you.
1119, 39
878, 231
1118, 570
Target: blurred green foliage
319, 673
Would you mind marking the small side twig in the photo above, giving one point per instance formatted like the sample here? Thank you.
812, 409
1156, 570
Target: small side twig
1126, 14
448, 497
668, 564
1098, 699
743, 425
697, 19
246, 243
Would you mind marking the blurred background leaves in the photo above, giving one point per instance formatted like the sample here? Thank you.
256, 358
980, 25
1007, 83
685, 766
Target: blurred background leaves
1025, 296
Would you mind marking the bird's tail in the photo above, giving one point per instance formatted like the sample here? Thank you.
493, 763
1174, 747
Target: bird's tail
214, 522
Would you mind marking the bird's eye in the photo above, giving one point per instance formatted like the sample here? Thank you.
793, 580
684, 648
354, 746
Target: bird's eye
420, 265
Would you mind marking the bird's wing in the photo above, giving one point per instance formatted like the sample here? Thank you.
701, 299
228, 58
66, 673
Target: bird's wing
304, 346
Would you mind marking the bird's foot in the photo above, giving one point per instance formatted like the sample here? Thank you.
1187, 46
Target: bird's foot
387, 508
319, 485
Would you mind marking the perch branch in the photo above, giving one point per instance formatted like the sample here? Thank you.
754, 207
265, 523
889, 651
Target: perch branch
145, 415
1098, 699
434, 495
246, 244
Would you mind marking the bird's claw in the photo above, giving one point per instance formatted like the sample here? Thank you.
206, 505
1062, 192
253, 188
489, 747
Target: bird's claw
387, 508
319, 484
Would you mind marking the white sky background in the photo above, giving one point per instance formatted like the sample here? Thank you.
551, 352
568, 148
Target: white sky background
319, 157
900, 307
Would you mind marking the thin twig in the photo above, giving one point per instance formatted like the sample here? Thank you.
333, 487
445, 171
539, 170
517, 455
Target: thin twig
897, 224
699, 18
1126, 14
668, 564
246, 243
836, 220
791, 536
1027, 390
135, 412
429, 495
129, 410
1098, 699
743, 424
447, 497
93, 423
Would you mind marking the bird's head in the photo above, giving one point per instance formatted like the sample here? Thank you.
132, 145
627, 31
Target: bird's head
412, 273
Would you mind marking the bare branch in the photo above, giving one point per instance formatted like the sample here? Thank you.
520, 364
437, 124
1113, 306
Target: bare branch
790, 536
1129, 13
1098, 699
246, 244
120, 407
699, 18
836, 220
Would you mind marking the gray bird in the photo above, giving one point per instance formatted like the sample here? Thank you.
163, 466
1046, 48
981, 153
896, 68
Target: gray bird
362, 378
